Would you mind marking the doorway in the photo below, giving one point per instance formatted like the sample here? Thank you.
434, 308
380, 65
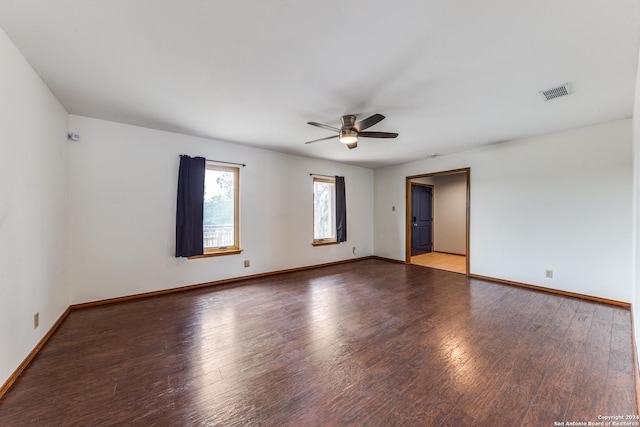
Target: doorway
437, 222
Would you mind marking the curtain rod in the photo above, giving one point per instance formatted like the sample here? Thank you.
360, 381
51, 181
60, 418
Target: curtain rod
319, 174
219, 161
229, 163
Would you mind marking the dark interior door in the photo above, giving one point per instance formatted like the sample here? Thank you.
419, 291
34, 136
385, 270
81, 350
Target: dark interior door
421, 219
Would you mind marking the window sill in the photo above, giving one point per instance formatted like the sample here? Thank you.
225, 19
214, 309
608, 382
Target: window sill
328, 242
217, 252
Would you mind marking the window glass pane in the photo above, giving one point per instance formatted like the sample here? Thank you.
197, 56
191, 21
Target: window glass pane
324, 213
219, 208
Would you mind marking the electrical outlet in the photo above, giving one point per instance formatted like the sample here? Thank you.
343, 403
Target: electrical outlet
246, 263
549, 274
36, 320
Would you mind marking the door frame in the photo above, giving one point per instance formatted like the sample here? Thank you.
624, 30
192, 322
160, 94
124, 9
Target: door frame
407, 221
432, 212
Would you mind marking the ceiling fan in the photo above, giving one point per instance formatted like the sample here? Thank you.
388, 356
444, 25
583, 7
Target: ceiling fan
351, 131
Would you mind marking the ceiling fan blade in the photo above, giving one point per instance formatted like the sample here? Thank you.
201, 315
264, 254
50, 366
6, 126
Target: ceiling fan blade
321, 139
352, 145
377, 134
368, 122
320, 125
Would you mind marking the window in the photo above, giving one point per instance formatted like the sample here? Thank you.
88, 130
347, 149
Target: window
221, 233
324, 211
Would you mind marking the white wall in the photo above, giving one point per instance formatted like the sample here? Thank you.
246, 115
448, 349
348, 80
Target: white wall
33, 208
450, 213
561, 202
123, 202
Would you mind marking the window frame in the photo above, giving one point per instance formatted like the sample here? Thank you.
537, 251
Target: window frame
235, 248
331, 240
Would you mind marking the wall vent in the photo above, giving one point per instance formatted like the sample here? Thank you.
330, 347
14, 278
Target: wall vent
556, 92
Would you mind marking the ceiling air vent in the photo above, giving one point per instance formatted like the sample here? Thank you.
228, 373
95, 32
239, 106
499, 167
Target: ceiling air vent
556, 92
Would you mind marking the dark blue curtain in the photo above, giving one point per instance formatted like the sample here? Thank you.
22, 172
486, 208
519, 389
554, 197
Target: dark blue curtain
341, 210
190, 206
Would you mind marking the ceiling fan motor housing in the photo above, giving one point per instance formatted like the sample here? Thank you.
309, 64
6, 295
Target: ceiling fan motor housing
348, 122
348, 135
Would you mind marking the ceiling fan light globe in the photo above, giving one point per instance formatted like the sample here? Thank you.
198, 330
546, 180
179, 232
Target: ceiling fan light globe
349, 139
348, 136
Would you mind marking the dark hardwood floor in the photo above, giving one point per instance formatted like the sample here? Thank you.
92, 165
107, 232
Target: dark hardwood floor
368, 343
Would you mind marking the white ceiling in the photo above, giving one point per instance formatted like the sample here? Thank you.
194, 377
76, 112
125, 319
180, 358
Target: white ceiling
448, 75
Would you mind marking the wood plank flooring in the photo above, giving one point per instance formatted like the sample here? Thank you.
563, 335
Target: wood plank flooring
369, 343
442, 261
